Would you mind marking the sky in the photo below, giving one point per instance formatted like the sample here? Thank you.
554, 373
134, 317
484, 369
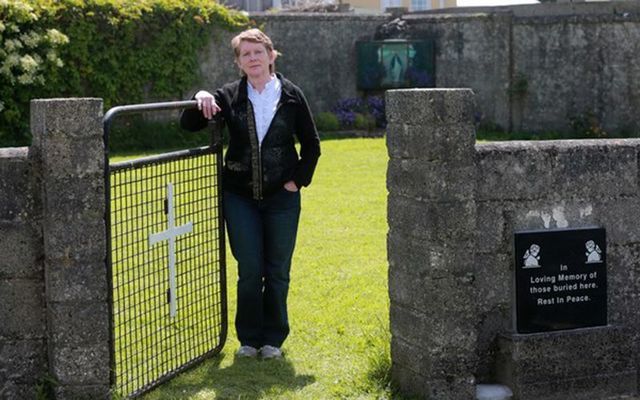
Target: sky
472, 3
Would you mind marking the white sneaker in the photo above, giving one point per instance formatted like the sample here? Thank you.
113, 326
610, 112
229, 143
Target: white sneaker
247, 351
269, 352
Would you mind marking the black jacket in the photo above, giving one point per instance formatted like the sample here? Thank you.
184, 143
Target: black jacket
260, 171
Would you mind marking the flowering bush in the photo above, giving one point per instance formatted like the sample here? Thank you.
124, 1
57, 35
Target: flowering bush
352, 110
419, 78
122, 51
346, 110
377, 110
28, 53
26, 57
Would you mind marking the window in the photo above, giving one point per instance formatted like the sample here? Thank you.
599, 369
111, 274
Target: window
418, 5
390, 3
254, 5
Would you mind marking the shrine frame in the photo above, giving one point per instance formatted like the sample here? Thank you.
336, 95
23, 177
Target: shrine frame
214, 149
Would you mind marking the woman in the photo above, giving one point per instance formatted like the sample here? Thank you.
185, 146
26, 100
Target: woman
262, 177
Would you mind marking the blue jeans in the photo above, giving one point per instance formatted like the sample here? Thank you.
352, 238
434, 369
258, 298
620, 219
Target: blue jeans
262, 236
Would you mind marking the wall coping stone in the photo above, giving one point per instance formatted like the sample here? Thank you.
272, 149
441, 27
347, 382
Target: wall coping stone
9, 153
560, 8
518, 145
302, 16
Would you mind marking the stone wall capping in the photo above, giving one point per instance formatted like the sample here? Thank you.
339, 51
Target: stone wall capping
565, 144
10, 153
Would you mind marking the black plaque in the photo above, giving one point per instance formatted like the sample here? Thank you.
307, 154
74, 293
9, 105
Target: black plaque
561, 279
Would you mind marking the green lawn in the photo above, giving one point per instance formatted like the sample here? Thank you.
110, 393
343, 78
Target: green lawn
338, 302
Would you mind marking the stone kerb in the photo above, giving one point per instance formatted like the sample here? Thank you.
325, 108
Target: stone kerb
67, 139
431, 214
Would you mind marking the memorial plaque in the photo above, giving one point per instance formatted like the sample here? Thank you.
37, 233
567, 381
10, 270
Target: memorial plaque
396, 63
561, 279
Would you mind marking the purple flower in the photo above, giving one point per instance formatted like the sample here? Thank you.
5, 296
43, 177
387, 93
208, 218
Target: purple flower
346, 110
419, 78
376, 108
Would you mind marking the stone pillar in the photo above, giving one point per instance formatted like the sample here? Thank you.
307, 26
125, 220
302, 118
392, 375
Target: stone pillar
67, 139
432, 217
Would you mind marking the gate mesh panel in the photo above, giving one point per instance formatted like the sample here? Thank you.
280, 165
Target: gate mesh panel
149, 344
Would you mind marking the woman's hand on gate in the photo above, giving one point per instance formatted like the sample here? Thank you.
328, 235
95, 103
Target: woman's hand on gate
207, 104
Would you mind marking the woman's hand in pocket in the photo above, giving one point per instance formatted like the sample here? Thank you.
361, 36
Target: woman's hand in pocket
291, 186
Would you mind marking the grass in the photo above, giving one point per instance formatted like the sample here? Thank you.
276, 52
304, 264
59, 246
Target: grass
338, 303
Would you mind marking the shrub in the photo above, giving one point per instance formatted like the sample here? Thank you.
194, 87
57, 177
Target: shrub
29, 53
587, 125
347, 111
327, 121
364, 122
123, 51
133, 133
377, 109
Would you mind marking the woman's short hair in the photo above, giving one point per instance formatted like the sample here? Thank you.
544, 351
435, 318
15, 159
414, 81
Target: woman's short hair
251, 35
255, 36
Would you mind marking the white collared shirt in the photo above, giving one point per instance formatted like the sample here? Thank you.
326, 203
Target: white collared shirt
265, 105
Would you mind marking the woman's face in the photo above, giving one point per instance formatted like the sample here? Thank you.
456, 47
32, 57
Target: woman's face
254, 59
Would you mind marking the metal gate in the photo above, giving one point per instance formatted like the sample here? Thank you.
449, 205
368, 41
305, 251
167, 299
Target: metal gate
166, 260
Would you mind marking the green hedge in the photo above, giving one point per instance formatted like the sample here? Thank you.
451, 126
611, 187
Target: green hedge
120, 50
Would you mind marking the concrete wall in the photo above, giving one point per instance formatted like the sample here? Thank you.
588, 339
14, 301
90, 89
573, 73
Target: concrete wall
541, 72
577, 66
453, 209
533, 67
23, 355
318, 54
560, 184
53, 279
472, 51
470, 48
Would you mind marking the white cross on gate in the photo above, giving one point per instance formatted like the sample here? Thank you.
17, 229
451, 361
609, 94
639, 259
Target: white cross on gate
170, 234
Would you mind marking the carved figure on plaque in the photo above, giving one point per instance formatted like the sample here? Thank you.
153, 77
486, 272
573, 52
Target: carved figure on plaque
532, 257
594, 254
